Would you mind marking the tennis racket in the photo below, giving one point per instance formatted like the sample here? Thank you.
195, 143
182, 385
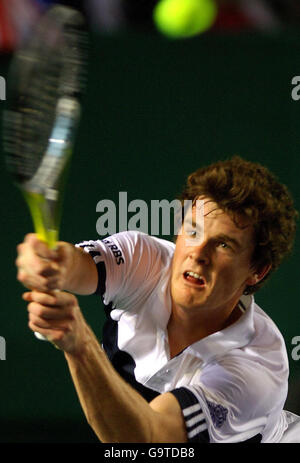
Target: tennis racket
45, 84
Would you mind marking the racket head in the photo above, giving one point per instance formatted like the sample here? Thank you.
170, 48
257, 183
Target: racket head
46, 81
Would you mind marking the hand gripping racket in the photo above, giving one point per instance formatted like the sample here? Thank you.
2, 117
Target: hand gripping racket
45, 83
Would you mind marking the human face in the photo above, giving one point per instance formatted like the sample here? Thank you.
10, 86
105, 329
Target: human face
221, 260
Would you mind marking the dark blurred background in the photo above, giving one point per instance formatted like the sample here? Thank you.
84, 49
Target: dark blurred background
155, 110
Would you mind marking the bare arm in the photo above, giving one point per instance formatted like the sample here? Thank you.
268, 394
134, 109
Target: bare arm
67, 267
80, 275
115, 411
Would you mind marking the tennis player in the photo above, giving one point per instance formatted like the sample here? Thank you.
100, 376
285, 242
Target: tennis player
187, 354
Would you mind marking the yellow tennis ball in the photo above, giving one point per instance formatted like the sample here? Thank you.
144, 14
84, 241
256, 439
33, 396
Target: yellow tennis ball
184, 18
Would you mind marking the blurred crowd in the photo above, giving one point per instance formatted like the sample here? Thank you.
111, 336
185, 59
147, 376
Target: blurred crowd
18, 16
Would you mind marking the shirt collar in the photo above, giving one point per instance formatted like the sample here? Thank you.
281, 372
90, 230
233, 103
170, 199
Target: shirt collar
239, 334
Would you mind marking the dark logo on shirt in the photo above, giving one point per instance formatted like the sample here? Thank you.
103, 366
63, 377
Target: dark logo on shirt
115, 250
218, 413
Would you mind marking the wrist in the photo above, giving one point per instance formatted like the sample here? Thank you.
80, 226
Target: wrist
82, 346
67, 262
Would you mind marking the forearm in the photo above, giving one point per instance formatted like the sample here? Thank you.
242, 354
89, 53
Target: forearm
115, 411
80, 273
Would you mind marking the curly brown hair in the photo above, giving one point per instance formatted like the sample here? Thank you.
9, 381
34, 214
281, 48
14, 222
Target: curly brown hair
248, 189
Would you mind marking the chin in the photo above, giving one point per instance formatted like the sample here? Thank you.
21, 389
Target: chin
188, 302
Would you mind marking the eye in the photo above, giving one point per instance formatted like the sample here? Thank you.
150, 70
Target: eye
191, 233
190, 230
223, 245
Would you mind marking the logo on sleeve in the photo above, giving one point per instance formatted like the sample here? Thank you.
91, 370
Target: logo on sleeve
218, 413
115, 250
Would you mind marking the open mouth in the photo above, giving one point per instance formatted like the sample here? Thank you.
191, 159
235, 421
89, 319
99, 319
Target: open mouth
194, 278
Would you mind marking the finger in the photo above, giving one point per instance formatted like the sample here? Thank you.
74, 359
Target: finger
38, 282
39, 247
50, 313
30, 281
53, 324
27, 296
51, 334
35, 264
46, 298
59, 299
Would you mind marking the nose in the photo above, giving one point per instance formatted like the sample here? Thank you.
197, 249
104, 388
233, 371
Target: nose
200, 253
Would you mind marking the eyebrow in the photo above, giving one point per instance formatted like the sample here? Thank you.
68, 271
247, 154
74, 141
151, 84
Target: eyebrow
224, 237
232, 240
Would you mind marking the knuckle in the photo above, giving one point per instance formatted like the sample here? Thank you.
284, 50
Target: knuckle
20, 248
21, 277
72, 315
35, 308
30, 308
32, 319
67, 328
40, 267
39, 311
72, 300
58, 336
31, 325
30, 237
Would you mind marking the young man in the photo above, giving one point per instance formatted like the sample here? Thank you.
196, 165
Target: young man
187, 354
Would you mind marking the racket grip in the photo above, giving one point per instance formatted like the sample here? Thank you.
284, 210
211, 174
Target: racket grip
40, 336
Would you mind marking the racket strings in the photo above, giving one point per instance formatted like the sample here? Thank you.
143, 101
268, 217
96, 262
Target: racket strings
49, 68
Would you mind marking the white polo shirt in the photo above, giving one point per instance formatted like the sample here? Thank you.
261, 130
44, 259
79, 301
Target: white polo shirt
231, 385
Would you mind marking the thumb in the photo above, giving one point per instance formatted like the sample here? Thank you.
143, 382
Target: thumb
40, 247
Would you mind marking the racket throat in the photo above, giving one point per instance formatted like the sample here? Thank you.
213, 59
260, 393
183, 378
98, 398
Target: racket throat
45, 215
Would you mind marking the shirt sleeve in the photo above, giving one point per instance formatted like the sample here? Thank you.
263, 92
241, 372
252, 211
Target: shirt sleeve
230, 404
129, 264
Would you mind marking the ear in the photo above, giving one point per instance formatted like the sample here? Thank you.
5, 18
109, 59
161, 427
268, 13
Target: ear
258, 275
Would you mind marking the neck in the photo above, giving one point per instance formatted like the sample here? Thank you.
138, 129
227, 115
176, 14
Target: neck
184, 329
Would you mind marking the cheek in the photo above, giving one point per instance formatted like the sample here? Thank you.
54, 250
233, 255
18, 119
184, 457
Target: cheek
222, 262
230, 269
234, 276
